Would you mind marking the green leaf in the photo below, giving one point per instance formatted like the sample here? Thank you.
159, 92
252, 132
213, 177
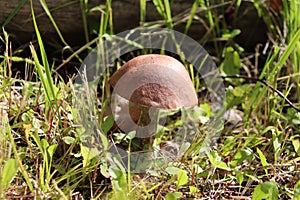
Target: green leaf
240, 156
235, 32
296, 121
216, 162
296, 145
201, 113
207, 109
104, 170
68, 139
231, 99
182, 178
51, 150
231, 34
88, 154
297, 190
44, 144
119, 183
9, 171
115, 173
228, 145
267, 190
238, 91
193, 190
172, 170
107, 124
262, 157
120, 136
104, 140
276, 143
236, 59
228, 67
240, 177
131, 135
173, 195
231, 64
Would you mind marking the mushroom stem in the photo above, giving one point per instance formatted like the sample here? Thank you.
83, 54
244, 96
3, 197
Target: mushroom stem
147, 127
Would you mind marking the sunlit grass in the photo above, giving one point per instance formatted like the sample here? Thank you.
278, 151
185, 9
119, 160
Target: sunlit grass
45, 154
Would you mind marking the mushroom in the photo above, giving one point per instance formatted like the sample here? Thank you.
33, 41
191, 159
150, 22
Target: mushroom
146, 84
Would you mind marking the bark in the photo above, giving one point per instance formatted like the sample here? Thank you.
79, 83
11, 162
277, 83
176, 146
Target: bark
126, 15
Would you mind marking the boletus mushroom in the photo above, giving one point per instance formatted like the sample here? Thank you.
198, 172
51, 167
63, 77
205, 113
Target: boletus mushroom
146, 84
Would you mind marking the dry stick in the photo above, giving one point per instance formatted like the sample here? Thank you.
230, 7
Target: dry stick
266, 84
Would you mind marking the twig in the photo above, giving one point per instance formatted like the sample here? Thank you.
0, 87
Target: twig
266, 84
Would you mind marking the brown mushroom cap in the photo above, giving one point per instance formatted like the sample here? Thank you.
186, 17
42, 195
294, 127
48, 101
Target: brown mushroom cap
155, 80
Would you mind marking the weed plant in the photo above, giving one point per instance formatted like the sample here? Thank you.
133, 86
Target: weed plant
43, 153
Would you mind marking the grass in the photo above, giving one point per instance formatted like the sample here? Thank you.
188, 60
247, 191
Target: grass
44, 154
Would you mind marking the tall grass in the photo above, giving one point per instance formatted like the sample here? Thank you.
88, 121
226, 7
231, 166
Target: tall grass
44, 70
291, 29
283, 22
8, 165
164, 9
43, 152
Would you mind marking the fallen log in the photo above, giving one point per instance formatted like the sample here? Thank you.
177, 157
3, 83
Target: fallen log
126, 15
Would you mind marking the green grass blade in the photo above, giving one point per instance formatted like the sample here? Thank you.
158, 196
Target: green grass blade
44, 70
14, 12
168, 14
258, 94
17, 156
159, 7
106, 19
142, 11
192, 14
9, 171
289, 49
47, 81
84, 10
46, 9
48, 12
42, 77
